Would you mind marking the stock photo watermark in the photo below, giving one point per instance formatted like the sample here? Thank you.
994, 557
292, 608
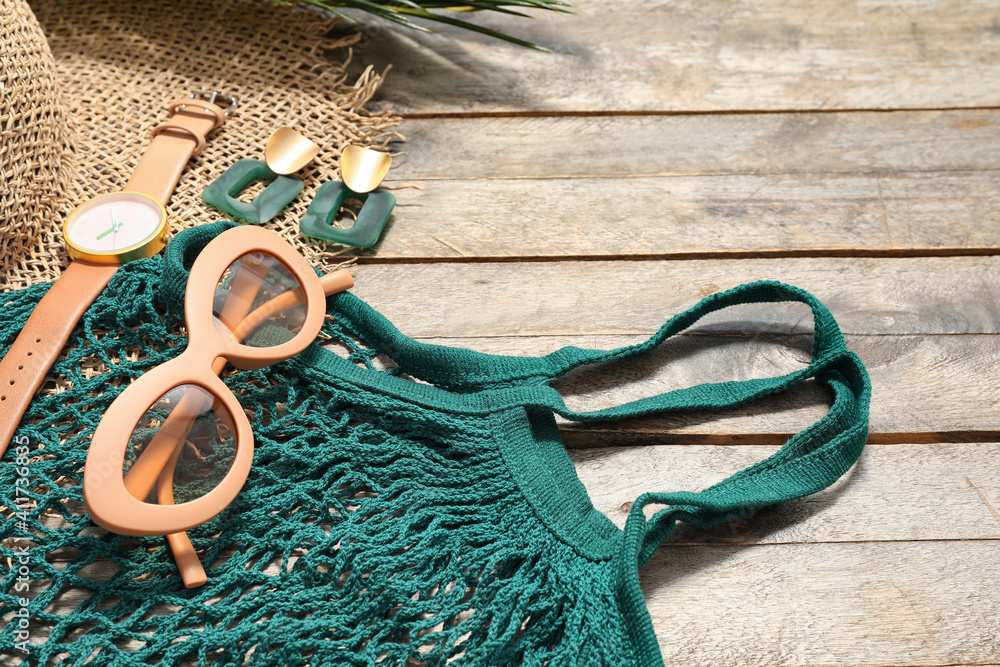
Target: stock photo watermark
21, 560
368, 32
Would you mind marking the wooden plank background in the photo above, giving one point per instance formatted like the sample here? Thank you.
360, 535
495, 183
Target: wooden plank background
668, 150
683, 56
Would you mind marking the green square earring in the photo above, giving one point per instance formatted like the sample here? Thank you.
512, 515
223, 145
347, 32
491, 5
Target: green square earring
372, 218
222, 192
288, 151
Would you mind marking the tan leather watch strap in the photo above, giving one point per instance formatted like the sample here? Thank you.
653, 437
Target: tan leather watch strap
173, 144
23, 368
44, 335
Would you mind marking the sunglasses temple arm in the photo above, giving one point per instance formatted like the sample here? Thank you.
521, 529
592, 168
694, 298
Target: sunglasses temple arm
170, 437
243, 292
192, 572
338, 281
156, 465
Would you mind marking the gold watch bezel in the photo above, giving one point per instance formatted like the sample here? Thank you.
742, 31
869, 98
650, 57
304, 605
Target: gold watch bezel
147, 248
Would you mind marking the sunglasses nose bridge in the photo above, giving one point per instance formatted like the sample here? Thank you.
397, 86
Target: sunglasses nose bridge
203, 352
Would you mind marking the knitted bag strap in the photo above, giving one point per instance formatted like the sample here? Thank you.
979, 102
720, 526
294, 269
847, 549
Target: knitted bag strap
524, 381
829, 350
470, 371
809, 462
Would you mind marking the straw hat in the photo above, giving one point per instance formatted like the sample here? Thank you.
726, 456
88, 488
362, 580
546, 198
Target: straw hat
76, 112
33, 134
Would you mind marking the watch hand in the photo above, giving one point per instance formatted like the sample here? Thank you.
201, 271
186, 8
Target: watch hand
114, 227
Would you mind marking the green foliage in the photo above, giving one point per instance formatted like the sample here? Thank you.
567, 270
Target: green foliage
403, 11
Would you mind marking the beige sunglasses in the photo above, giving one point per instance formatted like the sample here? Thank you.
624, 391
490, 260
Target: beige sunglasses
251, 300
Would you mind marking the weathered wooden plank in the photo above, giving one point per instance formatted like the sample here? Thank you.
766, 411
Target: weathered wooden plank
954, 212
875, 296
883, 603
686, 55
894, 492
914, 603
925, 329
939, 388
631, 146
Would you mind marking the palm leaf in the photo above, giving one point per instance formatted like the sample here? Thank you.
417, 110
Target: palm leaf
402, 11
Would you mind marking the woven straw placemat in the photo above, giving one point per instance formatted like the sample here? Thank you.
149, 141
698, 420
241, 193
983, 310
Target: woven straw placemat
119, 63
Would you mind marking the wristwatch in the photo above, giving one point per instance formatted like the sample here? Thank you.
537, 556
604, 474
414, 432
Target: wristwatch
101, 235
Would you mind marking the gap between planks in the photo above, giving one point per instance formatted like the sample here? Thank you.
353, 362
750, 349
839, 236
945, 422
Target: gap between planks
611, 113
596, 439
877, 253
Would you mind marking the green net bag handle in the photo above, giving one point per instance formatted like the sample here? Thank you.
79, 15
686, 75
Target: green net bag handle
522, 381
809, 462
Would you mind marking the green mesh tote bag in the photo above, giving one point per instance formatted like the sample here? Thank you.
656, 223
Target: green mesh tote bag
385, 521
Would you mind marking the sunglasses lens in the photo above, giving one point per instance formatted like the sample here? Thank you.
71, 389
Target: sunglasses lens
259, 301
181, 448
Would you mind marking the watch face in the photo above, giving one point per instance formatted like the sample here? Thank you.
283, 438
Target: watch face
116, 225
